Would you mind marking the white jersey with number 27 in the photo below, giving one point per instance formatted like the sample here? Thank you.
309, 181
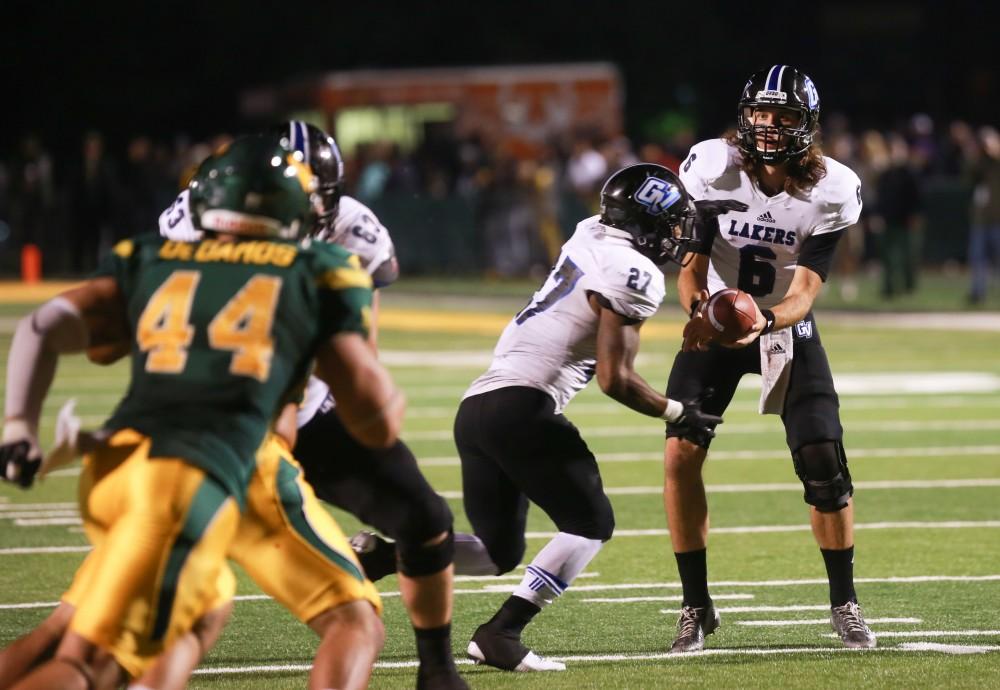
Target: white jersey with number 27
551, 344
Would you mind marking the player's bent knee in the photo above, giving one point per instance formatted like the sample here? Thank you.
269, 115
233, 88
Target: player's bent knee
505, 553
419, 560
359, 616
426, 518
597, 523
822, 468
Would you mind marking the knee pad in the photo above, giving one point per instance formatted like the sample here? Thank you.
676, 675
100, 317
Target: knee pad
699, 437
426, 559
822, 468
426, 516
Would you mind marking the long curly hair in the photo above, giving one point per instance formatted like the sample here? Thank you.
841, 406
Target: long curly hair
803, 171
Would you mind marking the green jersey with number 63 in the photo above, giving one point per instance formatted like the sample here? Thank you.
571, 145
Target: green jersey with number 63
551, 344
222, 333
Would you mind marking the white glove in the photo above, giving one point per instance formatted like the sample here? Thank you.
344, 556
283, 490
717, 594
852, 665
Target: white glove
70, 442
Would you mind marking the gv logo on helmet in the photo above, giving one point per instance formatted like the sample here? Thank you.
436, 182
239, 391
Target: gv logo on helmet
657, 195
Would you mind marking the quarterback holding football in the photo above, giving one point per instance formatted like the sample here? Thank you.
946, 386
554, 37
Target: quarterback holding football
778, 250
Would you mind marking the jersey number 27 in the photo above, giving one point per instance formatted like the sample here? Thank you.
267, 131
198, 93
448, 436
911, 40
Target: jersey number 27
242, 326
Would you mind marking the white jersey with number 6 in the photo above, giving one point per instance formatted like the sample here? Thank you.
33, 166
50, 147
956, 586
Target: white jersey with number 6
551, 344
757, 250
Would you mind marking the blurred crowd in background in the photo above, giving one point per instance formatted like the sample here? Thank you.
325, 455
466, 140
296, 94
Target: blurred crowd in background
931, 195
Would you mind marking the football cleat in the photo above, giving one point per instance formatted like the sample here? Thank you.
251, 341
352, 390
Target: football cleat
377, 555
848, 622
503, 649
692, 626
445, 678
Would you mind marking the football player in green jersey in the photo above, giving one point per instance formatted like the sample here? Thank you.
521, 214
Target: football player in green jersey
230, 323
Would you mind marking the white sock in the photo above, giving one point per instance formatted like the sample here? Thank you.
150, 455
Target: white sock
471, 556
555, 567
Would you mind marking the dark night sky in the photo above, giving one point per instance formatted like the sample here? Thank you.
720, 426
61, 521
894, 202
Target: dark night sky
163, 67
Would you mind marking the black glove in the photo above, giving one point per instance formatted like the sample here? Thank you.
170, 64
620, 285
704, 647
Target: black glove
707, 220
16, 465
694, 418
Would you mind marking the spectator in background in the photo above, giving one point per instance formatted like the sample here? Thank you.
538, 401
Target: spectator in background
587, 170
851, 249
32, 195
139, 207
983, 172
94, 191
899, 206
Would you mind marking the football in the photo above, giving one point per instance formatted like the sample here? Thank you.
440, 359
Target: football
732, 313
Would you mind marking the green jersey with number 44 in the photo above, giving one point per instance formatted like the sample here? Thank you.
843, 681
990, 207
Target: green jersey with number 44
222, 333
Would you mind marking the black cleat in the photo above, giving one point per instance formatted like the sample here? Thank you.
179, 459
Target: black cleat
377, 555
692, 626
848, 622
503, 649
440, 678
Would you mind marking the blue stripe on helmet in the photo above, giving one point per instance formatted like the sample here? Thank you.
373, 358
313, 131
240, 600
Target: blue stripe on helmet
300, 139
774, 78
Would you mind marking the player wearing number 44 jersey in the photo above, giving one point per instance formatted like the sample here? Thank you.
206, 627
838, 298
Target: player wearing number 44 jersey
222, 332
383, 487
515, 444
779, 249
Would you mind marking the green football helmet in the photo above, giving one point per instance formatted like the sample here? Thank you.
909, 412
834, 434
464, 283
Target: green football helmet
255, 187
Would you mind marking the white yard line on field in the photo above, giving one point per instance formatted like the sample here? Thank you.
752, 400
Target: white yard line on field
654, 532
492, 589
826, 621
35, 506
47, 522
31, 550
675, 597
656, 656
934, 633
945, 648
761, 529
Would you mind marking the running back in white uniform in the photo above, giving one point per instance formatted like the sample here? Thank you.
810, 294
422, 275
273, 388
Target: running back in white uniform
757, 250
551, 344
356, 229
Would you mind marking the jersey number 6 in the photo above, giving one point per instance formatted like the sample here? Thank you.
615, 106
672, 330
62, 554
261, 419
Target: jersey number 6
756, 273
242, 326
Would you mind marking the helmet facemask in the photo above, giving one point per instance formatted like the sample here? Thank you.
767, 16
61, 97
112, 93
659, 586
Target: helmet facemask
789, 142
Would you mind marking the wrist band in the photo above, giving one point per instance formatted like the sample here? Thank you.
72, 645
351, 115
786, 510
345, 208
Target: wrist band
768, 321
673, 411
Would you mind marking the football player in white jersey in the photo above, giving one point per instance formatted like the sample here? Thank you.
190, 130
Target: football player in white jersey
779, 251
382, 487
514, 442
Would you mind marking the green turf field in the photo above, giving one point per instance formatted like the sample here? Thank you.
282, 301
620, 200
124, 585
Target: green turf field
921, 409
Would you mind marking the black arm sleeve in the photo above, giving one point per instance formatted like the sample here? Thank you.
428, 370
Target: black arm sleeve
708, 234
817, 252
